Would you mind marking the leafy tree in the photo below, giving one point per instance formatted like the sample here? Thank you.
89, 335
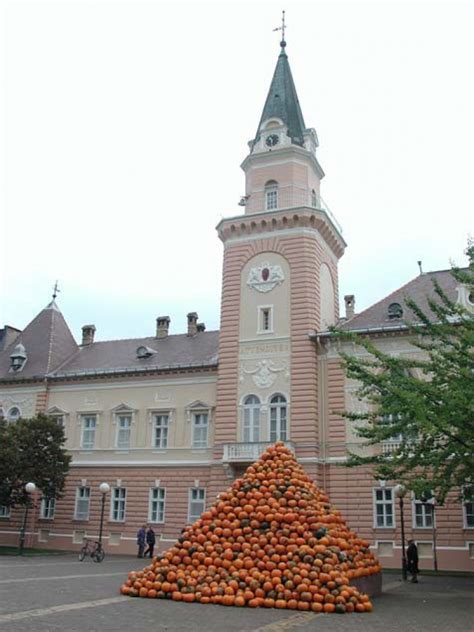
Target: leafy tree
31, 450
427, 401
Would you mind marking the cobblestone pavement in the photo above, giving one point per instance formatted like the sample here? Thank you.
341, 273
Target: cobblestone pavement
46, 594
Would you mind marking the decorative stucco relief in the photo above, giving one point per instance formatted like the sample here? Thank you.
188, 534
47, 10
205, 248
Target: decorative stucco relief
26, 403
265, 277
264, 373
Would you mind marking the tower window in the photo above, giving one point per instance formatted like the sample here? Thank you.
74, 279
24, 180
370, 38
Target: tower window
265, 319
314, 199
271, 195
251, 419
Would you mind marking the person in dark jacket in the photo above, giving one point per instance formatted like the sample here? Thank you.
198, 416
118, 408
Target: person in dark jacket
412, 560
141, 540
150, 540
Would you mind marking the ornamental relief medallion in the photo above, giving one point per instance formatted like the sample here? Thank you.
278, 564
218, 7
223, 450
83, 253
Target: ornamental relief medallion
265, 277
264, 373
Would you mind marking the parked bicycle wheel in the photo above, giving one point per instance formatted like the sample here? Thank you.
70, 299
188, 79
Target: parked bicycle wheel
82, 553
98, 555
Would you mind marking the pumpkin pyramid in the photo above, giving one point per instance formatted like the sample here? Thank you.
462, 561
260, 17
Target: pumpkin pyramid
272, 540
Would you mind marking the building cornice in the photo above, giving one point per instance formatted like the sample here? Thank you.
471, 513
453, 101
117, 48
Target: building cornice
269, 223
107, 374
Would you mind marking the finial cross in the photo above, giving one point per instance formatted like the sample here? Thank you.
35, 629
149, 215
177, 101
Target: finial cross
282, 27
56, 290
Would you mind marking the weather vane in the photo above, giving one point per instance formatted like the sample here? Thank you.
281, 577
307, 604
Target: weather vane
282, 29
56, 290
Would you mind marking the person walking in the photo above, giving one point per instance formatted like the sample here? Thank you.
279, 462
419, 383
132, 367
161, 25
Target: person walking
150, 540
412, 560
141, 540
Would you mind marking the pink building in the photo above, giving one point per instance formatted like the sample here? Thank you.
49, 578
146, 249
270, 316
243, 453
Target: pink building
169, 420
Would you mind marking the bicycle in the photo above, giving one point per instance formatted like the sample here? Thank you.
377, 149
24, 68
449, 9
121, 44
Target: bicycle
94, 549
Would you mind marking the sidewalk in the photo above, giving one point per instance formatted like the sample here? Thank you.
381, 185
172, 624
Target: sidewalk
41, 594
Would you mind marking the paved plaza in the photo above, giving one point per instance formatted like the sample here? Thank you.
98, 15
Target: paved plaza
45, 594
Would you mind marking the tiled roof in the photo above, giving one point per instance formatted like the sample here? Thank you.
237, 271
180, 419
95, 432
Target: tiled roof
47, 341
53, 352
418, 289
112, 356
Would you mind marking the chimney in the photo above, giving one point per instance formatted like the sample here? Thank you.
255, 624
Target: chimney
88, 333
162, 326
349, 300
201, 327
192, 323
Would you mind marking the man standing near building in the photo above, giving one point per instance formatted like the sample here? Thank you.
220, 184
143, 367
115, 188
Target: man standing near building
141, 540
412, 560
150, 540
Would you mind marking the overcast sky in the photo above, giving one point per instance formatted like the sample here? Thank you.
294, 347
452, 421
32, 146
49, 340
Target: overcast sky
124, 124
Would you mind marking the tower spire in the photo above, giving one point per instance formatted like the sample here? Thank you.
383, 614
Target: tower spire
282, 100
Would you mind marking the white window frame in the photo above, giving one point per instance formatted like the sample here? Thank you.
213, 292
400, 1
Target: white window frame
157, 515
278, 408
264, 316
468, 501
4, 511
251, 419
388, 419
118, 501
119, 417
383, 502
196, 491
271, 197
59, 419
81, 496
48, 508
199, 426
416, 502
88, 419
163, 443
12, 419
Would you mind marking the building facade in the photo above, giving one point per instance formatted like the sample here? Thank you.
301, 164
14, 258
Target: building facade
170, 420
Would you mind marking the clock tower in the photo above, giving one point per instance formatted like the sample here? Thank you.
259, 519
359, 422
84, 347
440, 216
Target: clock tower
279, 284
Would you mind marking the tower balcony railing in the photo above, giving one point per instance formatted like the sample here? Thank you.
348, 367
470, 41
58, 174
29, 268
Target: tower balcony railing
321, 205
248, 452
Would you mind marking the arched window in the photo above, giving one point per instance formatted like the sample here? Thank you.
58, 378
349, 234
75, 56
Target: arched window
14, 414
278, 419
314, 199
251, 426
271, 195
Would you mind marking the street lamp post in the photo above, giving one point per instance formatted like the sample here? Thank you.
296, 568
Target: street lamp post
104, 490
400, 491
30, 488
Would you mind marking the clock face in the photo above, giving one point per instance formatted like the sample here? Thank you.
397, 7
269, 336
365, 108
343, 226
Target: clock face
272, 140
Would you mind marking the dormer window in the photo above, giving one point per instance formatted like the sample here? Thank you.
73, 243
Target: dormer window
144, 352
395, 311
271, 195
18, 358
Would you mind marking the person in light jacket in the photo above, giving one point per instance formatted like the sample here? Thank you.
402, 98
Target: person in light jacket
141, 540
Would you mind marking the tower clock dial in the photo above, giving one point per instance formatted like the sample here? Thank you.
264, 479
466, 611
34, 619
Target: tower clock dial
272, 140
